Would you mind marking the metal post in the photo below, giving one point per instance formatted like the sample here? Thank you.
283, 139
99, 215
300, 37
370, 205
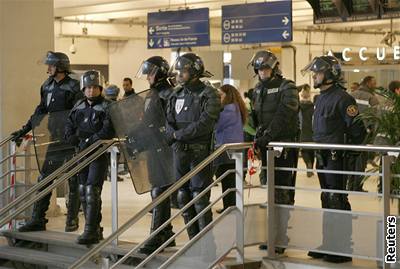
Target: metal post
12, 179
238, 157
114, 191
28, 173
386, 179
271, 202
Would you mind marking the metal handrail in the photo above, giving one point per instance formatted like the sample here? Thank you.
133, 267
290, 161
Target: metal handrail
189, 204
158, 200
56, 183
6, 140
206, 162
310, 145
15, 155
51, 177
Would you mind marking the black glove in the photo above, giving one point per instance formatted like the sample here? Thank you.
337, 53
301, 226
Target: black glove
259, 132
170, 135
17, 136
262, 142
83, 144
73, 140
170, 139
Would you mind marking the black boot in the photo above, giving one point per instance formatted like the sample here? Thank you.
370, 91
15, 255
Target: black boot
72, 222
38, 220
93, 207
184, 197
160, 214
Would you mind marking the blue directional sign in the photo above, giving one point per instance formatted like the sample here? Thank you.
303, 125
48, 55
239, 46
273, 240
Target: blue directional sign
183, 28
257, 22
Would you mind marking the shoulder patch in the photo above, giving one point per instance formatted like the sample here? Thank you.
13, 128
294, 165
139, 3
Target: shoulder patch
352, 110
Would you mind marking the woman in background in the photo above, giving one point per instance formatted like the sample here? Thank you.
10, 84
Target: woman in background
306, 113
229, 129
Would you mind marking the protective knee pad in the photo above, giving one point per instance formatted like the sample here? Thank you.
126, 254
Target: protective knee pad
199, 206
337, 201
283, 197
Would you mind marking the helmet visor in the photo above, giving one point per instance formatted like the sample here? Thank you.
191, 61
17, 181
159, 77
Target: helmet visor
316, 65
146, 69
92, 79
50, 59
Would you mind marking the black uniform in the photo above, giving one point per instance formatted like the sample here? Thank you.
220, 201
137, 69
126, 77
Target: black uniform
192, 114
275, 113
334, 123
89, 123
55, 96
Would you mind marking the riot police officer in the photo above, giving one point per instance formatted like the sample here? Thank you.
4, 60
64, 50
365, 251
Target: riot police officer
192, 113
58, 93
111, 93
88, 122
334, 123
156, 70
275, 114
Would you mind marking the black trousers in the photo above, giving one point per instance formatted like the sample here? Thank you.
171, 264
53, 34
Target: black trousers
227, 183
95, 173
288, 158
337, 227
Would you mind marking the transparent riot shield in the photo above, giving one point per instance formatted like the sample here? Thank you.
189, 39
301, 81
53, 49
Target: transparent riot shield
139, 122
50, 146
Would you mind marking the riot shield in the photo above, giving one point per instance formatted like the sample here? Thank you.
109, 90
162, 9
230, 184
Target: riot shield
139, 122
50, 146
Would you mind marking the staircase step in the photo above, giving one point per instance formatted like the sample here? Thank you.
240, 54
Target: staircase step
67, 240
39, 257
63, 239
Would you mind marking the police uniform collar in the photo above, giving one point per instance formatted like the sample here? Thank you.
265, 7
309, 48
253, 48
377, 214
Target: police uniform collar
161, 85
271, 82
332, 87
97, 101
195, 86
61, 81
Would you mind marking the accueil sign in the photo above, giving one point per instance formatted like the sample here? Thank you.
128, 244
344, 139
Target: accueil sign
364, 53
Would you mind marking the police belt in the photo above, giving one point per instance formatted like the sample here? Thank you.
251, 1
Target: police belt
195, 147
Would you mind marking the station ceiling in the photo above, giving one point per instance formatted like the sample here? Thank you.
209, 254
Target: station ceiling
135, 11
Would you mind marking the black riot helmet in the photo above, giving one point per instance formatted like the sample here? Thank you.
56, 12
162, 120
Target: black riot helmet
264, 59
59, 60
328, 65
111, 92
191, 63
91, 78
155, 65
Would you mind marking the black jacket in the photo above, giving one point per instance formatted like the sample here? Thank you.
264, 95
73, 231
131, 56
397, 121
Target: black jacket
275, 109
192, 113
56, 96
334, 118
89, 122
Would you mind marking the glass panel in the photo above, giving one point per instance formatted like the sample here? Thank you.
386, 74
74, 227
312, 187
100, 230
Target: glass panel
340, 232
215, 243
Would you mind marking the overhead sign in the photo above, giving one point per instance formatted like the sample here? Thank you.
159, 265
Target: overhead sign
257, 22
391, 9
183, 28
332, 11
